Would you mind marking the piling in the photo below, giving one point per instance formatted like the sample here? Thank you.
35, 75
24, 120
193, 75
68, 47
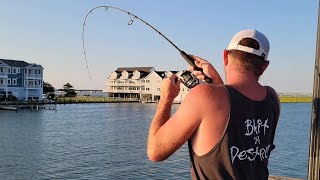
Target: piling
314, 156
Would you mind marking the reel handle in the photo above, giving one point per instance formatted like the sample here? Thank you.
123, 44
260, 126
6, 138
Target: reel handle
190, 60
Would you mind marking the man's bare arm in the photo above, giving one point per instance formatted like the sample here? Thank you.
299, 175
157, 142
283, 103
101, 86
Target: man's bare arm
166, 134
162, 115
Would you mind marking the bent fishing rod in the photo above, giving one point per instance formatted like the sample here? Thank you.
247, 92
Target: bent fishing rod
187, 57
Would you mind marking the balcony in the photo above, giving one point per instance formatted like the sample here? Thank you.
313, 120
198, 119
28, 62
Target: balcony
33, 86
3, 74
31, 76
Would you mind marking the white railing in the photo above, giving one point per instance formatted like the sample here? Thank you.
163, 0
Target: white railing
34, 86
33, 76
124, 84
3, 74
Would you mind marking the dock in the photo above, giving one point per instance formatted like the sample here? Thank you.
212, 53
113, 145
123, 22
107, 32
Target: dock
32, 105
282, 178
8, 108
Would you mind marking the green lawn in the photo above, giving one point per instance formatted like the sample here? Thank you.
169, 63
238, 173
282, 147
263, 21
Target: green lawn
295, 99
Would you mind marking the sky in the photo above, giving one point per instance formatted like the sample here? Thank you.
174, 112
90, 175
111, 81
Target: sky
49, 33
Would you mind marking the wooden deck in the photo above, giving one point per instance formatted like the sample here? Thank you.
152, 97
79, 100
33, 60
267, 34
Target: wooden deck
8, 108
282, 178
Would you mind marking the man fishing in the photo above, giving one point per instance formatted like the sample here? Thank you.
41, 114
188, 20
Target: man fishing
229, 127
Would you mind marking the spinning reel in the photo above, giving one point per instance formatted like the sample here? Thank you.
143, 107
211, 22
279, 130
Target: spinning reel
189, 80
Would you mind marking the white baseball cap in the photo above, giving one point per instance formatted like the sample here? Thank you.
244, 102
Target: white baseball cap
263, 51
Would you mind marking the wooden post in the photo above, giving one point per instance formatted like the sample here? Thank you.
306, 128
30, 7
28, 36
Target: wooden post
314, 156
17, 104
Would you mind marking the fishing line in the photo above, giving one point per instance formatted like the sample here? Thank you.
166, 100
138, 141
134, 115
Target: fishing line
133, 17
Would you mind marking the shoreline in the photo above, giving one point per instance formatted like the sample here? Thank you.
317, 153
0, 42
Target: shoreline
89, 100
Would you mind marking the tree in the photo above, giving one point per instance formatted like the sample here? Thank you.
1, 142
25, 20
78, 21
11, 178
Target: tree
70, 92
48, 89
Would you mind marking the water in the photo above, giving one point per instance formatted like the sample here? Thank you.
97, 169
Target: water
108, 141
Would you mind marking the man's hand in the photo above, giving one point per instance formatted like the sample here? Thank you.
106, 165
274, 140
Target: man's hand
170, 88
207, 69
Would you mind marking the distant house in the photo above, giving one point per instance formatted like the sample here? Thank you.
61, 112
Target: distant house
82, 92
21, 79
91, 93
141, 83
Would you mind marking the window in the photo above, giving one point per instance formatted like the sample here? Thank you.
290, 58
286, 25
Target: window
148, 89
14, 71
147, 81
1, 69
158, 89
142, 81
1, 81
35, 82
9, 70
9, 81
29, 71
25, 71
14, 81
18, 70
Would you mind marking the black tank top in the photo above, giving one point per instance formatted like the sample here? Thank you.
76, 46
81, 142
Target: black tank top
244, 148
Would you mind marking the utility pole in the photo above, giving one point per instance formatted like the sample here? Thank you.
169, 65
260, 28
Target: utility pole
314, 156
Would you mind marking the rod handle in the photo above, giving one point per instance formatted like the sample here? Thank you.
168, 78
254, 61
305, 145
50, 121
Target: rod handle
190, 60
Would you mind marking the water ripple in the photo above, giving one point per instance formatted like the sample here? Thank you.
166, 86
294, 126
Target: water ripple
108, 141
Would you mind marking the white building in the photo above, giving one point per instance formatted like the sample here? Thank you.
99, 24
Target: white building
21, 79
91, 93
139, 83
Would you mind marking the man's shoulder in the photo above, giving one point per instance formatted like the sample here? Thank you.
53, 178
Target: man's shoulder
209, 92
272, 90
209, 88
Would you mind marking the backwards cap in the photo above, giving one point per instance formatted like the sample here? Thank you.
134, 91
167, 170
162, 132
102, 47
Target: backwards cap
263, 51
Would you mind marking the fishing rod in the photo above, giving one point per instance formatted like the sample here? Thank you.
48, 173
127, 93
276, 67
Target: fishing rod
133, 17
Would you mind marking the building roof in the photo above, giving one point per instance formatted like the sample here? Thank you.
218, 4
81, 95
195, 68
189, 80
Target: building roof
15, 63
162, 74
143, 75
174, 72
35, 65
131, 69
